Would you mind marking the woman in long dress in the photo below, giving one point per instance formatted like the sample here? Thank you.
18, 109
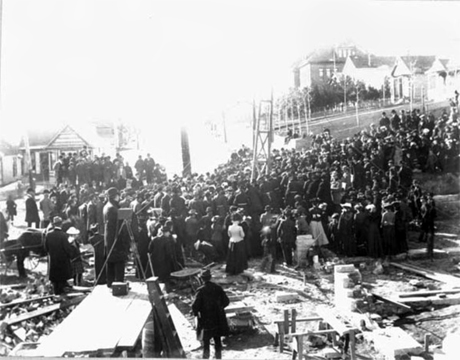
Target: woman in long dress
388, 230
374, 243
236, 258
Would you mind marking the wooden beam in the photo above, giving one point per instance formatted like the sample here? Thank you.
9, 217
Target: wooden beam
337, 324
433, 275
26, 301
43, 311
428, 293
315, 318
382, 298
313, 332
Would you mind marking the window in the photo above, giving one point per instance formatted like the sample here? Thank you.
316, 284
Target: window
328, 71
15, 167
321, 72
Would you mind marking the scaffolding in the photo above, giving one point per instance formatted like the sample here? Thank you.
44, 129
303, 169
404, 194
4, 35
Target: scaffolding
263, 137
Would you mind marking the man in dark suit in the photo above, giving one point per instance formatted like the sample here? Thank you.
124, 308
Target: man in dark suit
116, 244
31, 209
60, 252
209, 306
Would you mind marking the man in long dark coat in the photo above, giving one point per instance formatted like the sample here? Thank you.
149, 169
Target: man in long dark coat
60, 253
116, 245
162, 254
31, 209
209, 306
97, 240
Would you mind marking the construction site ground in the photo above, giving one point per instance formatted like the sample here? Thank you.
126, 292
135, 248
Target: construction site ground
313, 288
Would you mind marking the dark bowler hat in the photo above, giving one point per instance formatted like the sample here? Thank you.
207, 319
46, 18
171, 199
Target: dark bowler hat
57, 220
206, 275
112, 192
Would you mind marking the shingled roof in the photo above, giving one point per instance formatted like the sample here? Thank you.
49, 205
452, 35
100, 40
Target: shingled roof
419, 64
372, 61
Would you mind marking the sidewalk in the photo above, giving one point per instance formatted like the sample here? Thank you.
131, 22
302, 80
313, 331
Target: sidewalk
18, 189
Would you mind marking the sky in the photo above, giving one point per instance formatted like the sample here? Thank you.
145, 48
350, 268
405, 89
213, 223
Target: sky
162, 64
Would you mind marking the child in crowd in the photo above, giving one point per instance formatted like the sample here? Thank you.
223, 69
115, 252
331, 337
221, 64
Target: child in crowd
11, 209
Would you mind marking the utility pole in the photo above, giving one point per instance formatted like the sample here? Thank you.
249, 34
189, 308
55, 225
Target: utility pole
357, 104
1, 33
345, 93
186, 160
224, 126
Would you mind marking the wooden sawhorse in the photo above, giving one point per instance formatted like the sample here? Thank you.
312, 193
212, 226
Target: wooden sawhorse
287, 328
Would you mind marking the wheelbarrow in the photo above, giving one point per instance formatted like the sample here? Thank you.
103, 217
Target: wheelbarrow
192, 276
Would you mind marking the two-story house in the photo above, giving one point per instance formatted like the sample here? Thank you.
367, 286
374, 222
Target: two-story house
322, 64
370, 69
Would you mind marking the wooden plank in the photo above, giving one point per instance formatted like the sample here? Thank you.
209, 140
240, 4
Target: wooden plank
433, 275
313, 332
138, 312
43, 311
26, 301
394, 302
238, 307
103, 320
427, 293
419, 253
315, 318
184, 329
453, 299
173, 345
330, 317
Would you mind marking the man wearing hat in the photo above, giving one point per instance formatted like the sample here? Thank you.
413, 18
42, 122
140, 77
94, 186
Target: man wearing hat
116, 245
97, 241
32, 216
60, 252
209, 307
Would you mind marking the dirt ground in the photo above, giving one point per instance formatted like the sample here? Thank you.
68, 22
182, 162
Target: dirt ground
316, 288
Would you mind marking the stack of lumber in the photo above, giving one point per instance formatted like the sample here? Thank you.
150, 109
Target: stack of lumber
106, 323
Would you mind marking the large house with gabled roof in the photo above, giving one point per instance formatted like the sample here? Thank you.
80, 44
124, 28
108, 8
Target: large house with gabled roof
443, 79
370, 69
322, 64
409, 78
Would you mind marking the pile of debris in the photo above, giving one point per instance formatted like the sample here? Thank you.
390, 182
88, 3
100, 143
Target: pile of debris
30, 311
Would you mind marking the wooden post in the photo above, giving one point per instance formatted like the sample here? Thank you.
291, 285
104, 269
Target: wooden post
186, 160
300, 346
286, 321
293, 319
352, 345
426, 342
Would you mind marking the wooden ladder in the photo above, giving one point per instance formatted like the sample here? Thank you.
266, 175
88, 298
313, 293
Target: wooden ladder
171, 342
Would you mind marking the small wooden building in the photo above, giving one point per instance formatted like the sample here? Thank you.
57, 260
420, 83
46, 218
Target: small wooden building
46, 146
11, 164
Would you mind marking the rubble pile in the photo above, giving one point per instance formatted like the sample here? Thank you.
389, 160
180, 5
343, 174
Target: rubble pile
28, 312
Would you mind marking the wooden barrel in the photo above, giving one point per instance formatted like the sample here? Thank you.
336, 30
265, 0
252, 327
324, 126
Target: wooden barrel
148, 340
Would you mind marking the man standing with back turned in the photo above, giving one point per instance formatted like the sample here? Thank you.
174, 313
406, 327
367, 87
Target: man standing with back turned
209, 306
116, 248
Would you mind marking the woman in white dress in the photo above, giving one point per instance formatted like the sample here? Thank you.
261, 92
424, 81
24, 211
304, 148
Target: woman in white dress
236, 258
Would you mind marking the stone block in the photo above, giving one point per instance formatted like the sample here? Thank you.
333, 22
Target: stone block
394, 342
344, 268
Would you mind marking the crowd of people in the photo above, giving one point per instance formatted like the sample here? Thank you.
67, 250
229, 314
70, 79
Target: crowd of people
355, 196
